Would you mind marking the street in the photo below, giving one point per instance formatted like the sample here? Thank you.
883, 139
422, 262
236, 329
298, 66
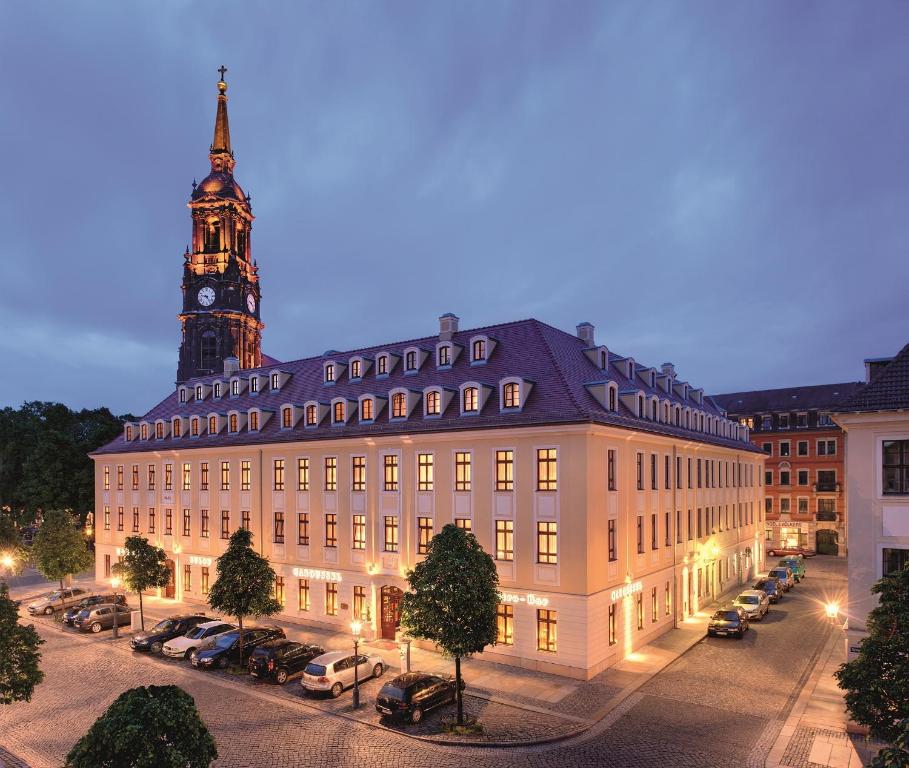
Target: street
721, 703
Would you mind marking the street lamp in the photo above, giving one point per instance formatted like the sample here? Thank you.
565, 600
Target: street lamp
831, 610
115, 582
8, 561
355, 627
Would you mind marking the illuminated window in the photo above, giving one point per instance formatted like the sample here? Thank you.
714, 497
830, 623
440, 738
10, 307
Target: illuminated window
213, 424
359, 532
188, 578
462, 470
106, 518
278, 475
505, 470
119, 518
471, 400
204, 523
433, 403
254, 421
254, 384
204, 580
504, 624
312, 415
612, 639
464, 523
176, 427
366, 409
168, 522
610, 471
203, 476
329, 372
478, 350
382, 365
135, 477
275, 381
225, 475
234, 423
547, 635
186, 522
398, 405
143, 430
547, 469
119, 477
135, 519
244, 519
391, 472
331, 530
355, 369
225, 524
159, 431
339, 412
331, 473
667, 599
358, 473
654, 612
512, 395
129, 433
391, 533
279, 589
504, 540
444, 355
331, 598
359, 602
303, 474
303, 594
547, 543
424, 534
279, 527
187, 477
425, 472
640, 606
217, 389
245, 475
168, 477
303, 528
611, 530
235, 387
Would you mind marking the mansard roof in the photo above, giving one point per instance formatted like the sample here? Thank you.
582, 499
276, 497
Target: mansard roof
787, 399
553, 360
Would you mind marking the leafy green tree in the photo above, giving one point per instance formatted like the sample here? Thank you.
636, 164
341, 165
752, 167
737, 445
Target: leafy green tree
877, 680
157, 726
245, 582
13, 555
19, 654
144, 566
58, 549
455, 590
896, 756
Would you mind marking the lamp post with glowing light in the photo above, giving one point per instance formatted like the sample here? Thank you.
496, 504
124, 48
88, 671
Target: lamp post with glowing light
355, 627
831, 610
115, 582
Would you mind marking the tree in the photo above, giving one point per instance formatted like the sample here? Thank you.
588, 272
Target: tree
245, 583
148, 727
877, 680
144, 567
12, 554
453, 600
19, 654
59, 549
896, 756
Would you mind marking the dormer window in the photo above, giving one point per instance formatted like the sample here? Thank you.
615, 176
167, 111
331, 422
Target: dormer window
433, 403
511, 395
653, 410
217, 389
253, 421
254, 384
398, 405
338, 412
234, 423
410, 361
235, 387
182, 395
478, 350
382, 365
276, 381
129, 432
604, 359
159, 431
312, 415
194, 427
198, 392
444, 357
287, 417
471, 400
213, 425
355, 369
367, 409
641, 406
176, 427
613, 394
143, 432
329, 373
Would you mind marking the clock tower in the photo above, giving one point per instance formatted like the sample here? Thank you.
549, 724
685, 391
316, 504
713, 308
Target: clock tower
220, 316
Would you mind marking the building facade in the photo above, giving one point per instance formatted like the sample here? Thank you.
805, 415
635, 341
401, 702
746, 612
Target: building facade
805, 494
876, 421
615, 498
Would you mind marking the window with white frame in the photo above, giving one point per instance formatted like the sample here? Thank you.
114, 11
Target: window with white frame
433, 403
366, 409
511, 395
398, 405
470, 400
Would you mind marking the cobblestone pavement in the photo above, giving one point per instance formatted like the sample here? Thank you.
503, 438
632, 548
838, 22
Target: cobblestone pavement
714, 706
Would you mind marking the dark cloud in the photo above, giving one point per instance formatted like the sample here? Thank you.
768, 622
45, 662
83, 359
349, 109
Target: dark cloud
722, 185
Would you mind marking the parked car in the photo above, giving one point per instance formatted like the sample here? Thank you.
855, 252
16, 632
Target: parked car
787, 580
198, 637
772, 587
754, 602
69, 615
53, 601
796, 564
223, 649
102, 616
728, 621
413, 694
782, 551
280, 659
332, 672
167, 629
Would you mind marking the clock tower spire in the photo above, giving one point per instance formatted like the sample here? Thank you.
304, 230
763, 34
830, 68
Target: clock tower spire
220, 316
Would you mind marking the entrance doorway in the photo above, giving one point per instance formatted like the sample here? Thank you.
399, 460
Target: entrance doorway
391, 611
170, 591
827, 542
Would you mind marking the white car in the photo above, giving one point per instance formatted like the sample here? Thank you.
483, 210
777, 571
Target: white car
754, 602
53, 601
332, 672
198, 637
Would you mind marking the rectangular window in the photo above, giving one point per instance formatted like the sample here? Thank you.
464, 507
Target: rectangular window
119, 518
151, 477
784, 477
245, 475
667, 479
803, 477
690, 527
700, 476
391, 533
279, 527
391, 472
151, 519
654, 530
640, 471
187, 578
204, 579
168, 522
244, 519
505, 470
504, 540
802, 507
279, 475
504, 624
424, 534
640, 607
358, 473
654, 479
640, 534
135, 519
303, 528
303, 474
425, 480
547, 543
783, 420
107, 478
331, 598
768, 477
612, 634
359, 602
547, 636
225, 523
187, 476
359, 532
464, 523
678, 471
678, 526
894, 560
768, 505
667, 599
700, 524
547, 469
689, 473
826, 447
331, 473
135, 477
610, 469
106, 518
784, 506
225, 475
895, 466
107, 566
303, 594
667, 530
784, 448
803, 448
331, 530
279, 589
654, 611
613, 553
119, 477
203, 518
462, 470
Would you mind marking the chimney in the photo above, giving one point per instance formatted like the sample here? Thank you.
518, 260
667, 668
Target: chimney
231, 366
668, 369
585, 333
448, 326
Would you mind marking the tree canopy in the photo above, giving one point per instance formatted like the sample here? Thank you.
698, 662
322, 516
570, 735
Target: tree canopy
147, 727
58, 549
19, 654
877, 680
455, 590
144, 566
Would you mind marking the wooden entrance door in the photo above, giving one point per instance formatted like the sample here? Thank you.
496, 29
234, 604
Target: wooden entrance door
827, 542
391, 611
171, 589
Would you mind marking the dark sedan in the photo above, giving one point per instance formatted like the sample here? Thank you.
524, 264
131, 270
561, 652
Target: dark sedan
223, 648
414, 693
771, 586
728, 621
278, 660
103, 616
69, 615
166, 629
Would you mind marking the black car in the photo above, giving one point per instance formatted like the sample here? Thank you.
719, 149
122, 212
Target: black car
728, 621
771, 586
279, 659
223, 649
69, 615
166, 629
412, 694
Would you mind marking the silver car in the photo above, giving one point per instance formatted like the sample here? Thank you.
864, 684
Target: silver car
53, 601
784, 575
754, 602
332, 672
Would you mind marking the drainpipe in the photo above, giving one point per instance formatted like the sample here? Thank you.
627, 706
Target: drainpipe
261, 511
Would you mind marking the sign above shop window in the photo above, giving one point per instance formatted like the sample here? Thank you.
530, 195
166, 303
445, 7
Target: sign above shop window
530, 599
627, 591
317, 574
197, 560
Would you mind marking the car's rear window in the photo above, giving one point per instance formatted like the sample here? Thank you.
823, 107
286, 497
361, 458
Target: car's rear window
393, 692
726, 615
316, 670
195, 633
749, 599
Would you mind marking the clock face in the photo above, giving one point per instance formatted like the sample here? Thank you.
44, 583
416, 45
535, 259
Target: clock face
251, 302
206, 296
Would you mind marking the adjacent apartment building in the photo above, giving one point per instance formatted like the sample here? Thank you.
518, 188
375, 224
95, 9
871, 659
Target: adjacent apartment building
616, 498
805, 496
876, 422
